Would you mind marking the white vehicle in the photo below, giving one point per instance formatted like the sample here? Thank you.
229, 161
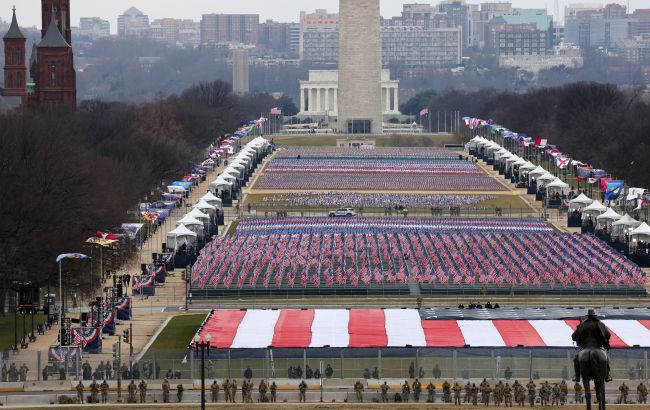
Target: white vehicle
348, 212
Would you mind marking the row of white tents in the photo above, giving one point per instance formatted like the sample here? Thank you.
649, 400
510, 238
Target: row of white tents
196, 224
618, 226
552, 183
241, 164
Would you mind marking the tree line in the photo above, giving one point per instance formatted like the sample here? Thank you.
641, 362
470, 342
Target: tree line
600, 124
66, 175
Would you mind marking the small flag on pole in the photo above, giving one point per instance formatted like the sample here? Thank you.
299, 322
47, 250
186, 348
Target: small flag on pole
424, 112
71, 256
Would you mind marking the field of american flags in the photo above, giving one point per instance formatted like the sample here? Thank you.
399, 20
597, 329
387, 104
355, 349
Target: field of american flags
390, 169
359, 253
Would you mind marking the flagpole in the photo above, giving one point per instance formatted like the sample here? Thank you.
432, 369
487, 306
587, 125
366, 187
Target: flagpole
61, 312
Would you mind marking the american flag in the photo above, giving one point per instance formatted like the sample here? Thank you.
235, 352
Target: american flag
276, 111
424, 112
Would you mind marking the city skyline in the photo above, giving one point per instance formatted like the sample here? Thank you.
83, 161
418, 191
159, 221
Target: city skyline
29, 10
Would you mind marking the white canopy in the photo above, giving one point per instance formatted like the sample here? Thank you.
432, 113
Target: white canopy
212, 200
520, 162
546, 178
204, 206
192, 224
627, 220
623, 225
198, 214
189, 220
557, 183
180, 236
504, 157
609, 215
582, 199
642, 233
527, 166
580, 202
596, 206
539, 171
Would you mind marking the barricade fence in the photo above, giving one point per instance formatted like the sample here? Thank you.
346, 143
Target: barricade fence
277, 211
369, 363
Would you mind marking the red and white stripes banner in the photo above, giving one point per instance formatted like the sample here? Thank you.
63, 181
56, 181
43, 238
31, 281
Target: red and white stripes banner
357, 328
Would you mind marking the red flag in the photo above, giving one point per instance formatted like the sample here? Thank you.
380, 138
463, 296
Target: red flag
108, 236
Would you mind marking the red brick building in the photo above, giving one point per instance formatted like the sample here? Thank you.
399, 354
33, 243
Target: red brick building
51, 65
15, 72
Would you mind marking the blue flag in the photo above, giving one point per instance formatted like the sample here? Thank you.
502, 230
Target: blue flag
614, 190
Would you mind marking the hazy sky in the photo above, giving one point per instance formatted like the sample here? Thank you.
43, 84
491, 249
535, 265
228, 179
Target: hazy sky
281, 10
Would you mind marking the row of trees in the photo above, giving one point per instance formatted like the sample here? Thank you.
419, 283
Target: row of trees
600, 124
66, 175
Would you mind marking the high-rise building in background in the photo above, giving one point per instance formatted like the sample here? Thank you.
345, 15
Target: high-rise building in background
458, 14
240, 71
319, 34
360, 94
481, 17
133, 23
420, 46
175, 31
279, 37
642, 26
230, 28
93, 27
605, 27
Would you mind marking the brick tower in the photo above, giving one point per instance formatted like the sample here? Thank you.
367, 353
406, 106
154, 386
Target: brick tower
52, 68
15, 78
61, 9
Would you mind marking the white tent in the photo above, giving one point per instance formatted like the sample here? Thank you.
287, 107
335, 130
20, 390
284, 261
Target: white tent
180, 236
205, 207
504, 157
557, 185
641, 233
606, 219
519, 163
593, 209
545, 179
528, 166
624, 225
192, 224
580, 202
200, 215
537, 172
212, 200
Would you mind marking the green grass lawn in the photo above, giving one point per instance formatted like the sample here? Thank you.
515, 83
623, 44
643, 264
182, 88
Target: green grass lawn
7, 328
427, 140
178, 333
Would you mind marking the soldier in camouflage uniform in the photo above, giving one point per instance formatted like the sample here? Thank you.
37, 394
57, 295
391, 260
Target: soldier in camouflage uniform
532, 392
457, 391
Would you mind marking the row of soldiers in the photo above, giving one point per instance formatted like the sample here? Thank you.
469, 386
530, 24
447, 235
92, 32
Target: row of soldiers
13, 374
501, 393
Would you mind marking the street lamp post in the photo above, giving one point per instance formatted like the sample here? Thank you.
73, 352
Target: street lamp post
203, 347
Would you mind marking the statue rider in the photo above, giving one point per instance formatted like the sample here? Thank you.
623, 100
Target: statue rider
591, 333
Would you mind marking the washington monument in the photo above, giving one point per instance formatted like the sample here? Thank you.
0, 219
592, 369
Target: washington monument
360, 102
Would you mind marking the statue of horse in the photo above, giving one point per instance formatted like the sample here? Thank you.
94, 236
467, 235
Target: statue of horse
593, 366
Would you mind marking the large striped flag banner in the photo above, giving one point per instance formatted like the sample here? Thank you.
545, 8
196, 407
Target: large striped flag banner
377, 328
